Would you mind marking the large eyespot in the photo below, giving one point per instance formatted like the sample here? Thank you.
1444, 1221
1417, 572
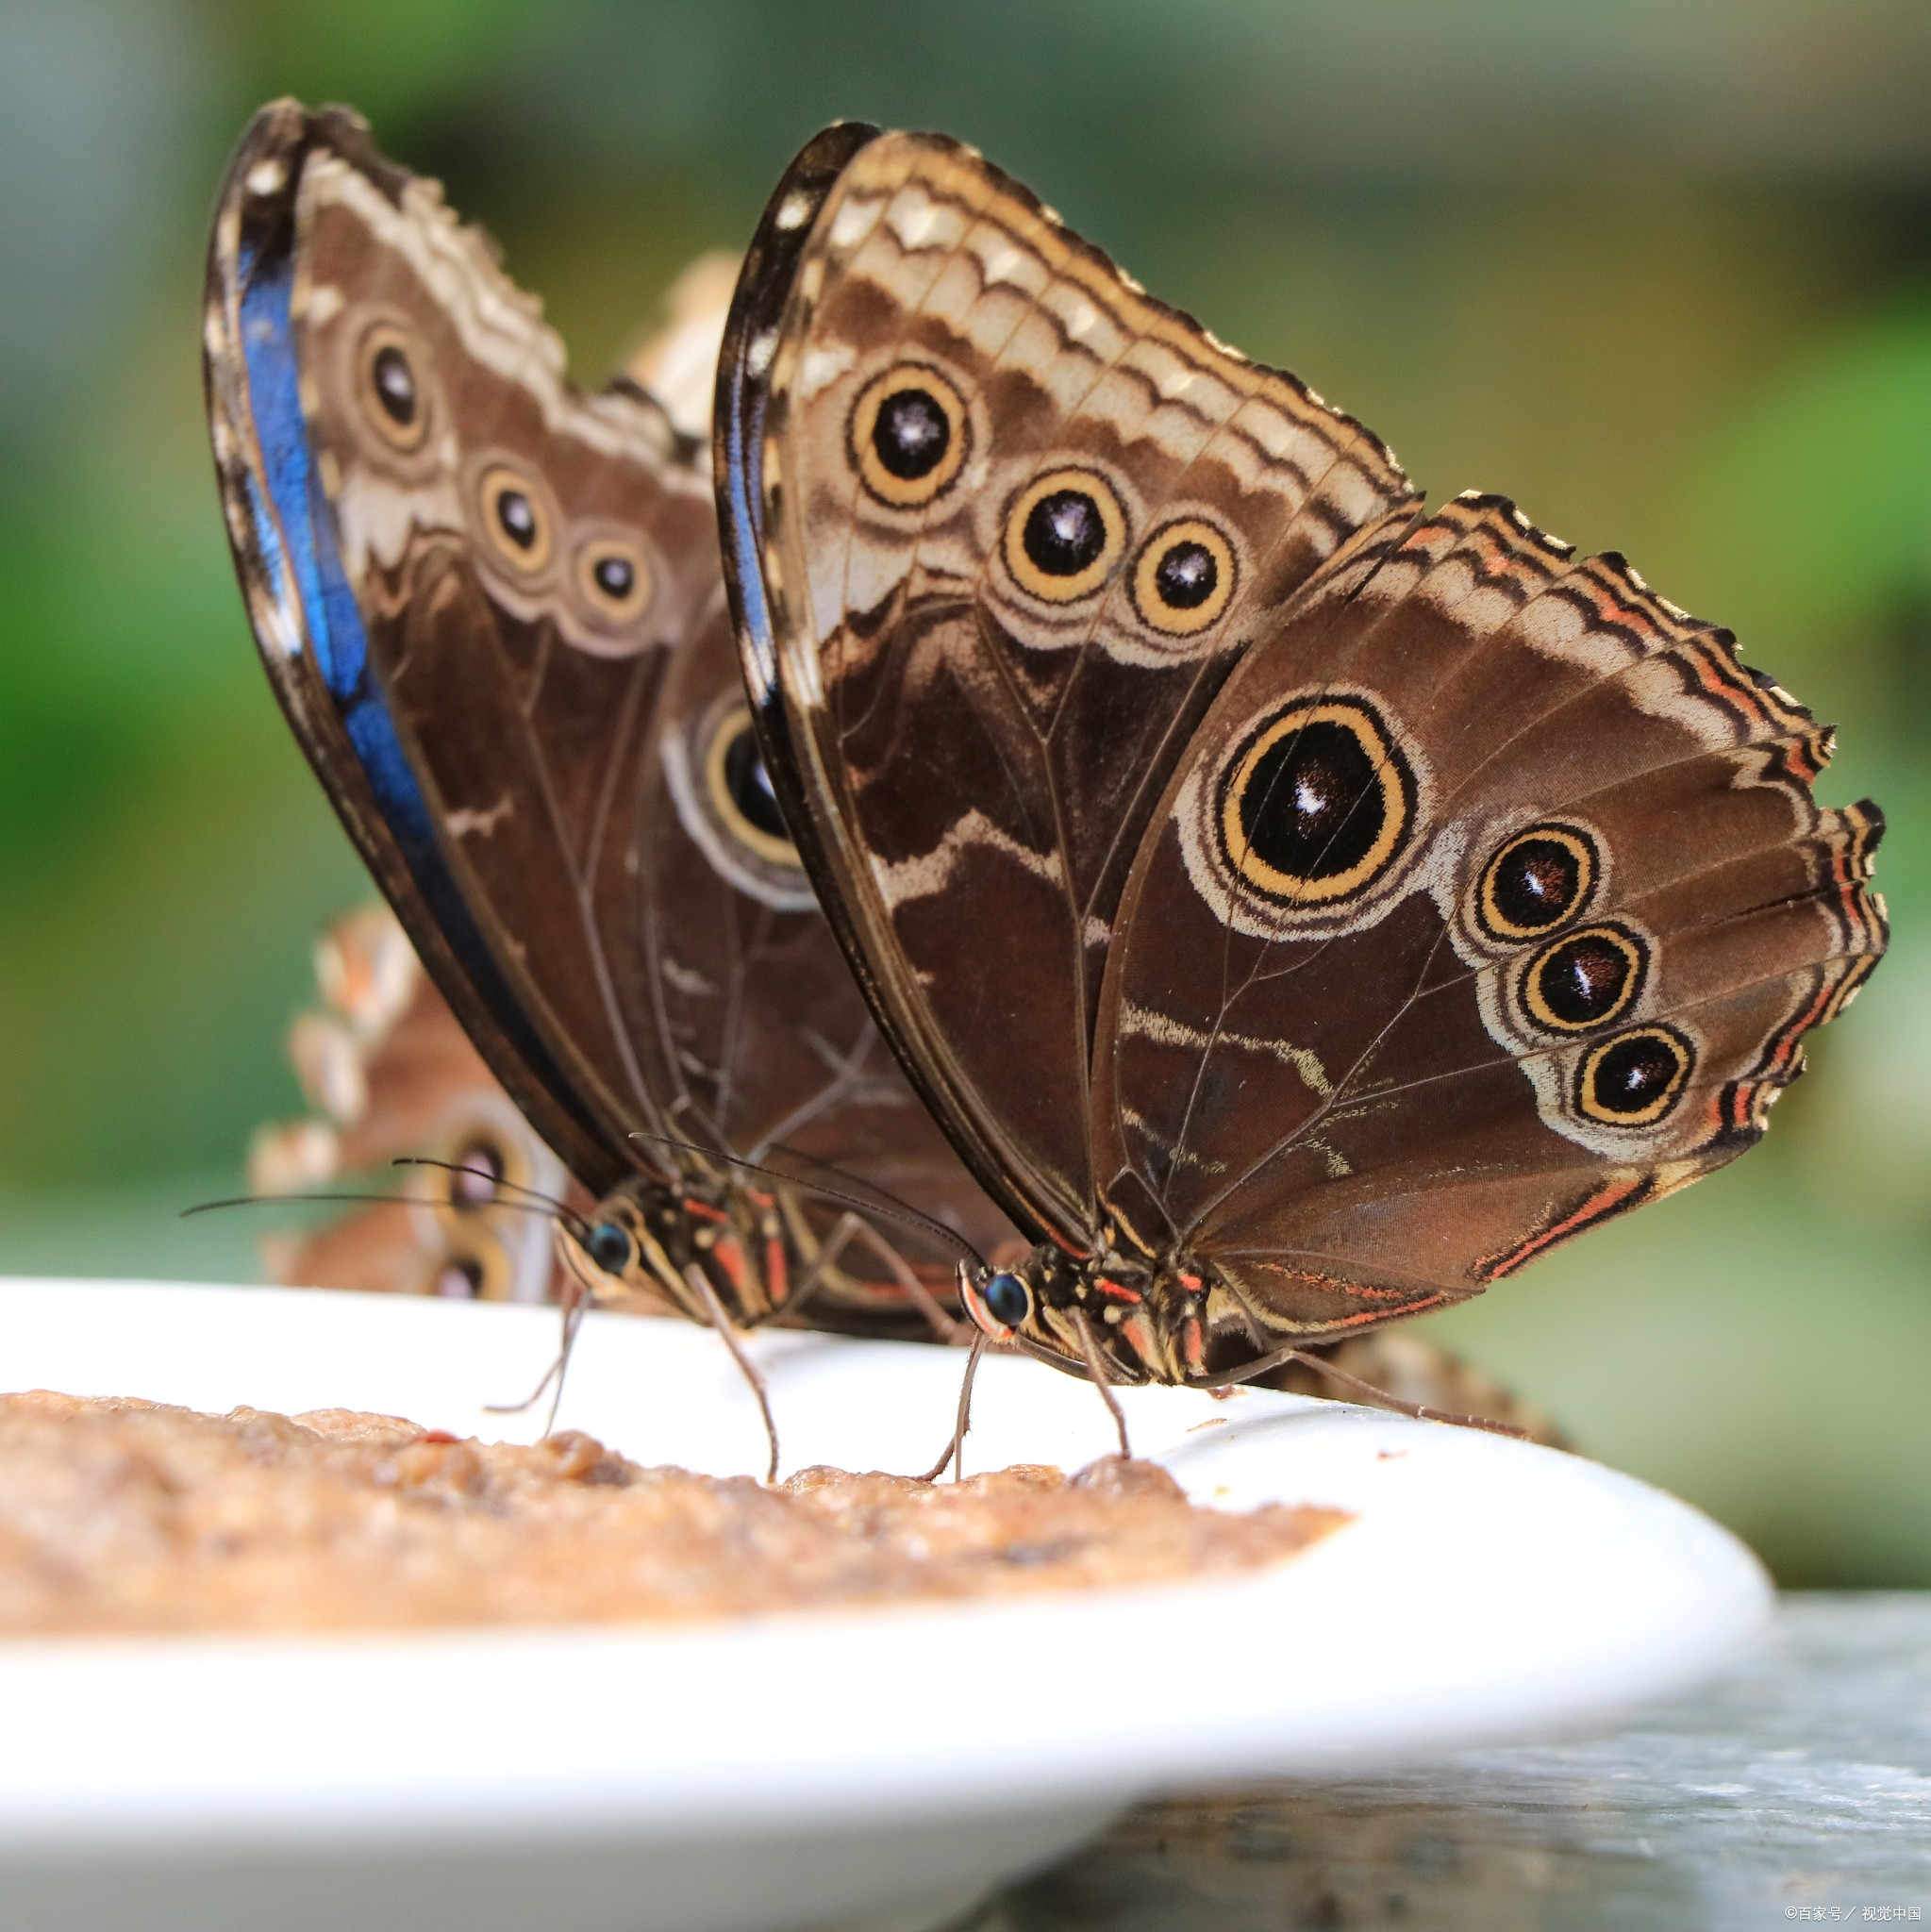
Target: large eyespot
390, 388
1000, 1304
909, 435
1064, 533
1539, 879
614, 580
1635, 1078
1316, 803
741, 790
516, 520
473, 1179
1184, 578
1584, 981
610, 1248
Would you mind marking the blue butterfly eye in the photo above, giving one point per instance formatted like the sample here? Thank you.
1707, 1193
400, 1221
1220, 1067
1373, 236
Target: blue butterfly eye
610, 1248
1008, 1299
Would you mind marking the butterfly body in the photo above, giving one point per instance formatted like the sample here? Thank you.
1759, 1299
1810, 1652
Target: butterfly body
1301, 909
491, 607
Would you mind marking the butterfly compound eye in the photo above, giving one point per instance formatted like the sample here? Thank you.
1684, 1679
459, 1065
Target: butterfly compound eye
1184, 578
1064, 533
1007, 1302
610, 1248
515, 521
391, 389
908, 436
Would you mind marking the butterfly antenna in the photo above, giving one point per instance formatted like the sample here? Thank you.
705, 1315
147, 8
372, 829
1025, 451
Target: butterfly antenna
563, 1212
888, 1202
897, 1211
552, 1210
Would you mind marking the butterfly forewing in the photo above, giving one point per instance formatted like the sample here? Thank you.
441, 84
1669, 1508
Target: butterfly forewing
493, 608
1014, 522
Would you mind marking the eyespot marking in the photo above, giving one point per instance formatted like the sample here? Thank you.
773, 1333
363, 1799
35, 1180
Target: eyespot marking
1184, 578
1585, 980
515, 520
1539, 879
740, 790
390, 388
614, 580
1316, 803
1633, 1079
909, 435
1064, 533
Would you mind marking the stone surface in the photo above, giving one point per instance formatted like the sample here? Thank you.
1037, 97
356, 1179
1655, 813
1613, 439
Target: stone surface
1797, 1791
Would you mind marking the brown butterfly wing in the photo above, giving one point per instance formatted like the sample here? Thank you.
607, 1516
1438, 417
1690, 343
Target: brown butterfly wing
976, 444
537, 574
1490, 900
390, 1073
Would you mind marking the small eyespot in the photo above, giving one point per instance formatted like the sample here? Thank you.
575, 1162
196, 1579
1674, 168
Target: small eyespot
515, 520
614, 579
741, 790
909, 435
1539, 879
390, 389
475, 1178
1064, 533
1585, 980
1001, 1303
1184, 578
460, 1278
1633, 1079
1316, 803
610, 1248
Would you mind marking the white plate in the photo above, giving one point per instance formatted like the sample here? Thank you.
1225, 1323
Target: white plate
784, 1772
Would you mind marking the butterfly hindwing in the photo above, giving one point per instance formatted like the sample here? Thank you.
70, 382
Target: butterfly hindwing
1595, 905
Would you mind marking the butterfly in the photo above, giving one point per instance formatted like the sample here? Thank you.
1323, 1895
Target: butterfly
492, 611
1301, 909
390, 1075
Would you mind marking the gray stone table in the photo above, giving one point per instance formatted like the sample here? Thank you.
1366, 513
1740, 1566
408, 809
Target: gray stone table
1796, 1792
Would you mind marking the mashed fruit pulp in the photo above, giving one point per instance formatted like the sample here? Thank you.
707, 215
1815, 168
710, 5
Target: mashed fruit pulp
124, 1516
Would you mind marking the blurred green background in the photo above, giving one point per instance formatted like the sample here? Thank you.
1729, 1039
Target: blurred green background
1661, 269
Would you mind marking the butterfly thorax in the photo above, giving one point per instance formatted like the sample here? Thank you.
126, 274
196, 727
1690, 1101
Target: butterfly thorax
687, 1240
1148, 1319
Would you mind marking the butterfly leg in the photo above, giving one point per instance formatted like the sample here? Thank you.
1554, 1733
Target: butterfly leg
574, 1302
1096, 1368
714, 1309
850, 1228
954, 1450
